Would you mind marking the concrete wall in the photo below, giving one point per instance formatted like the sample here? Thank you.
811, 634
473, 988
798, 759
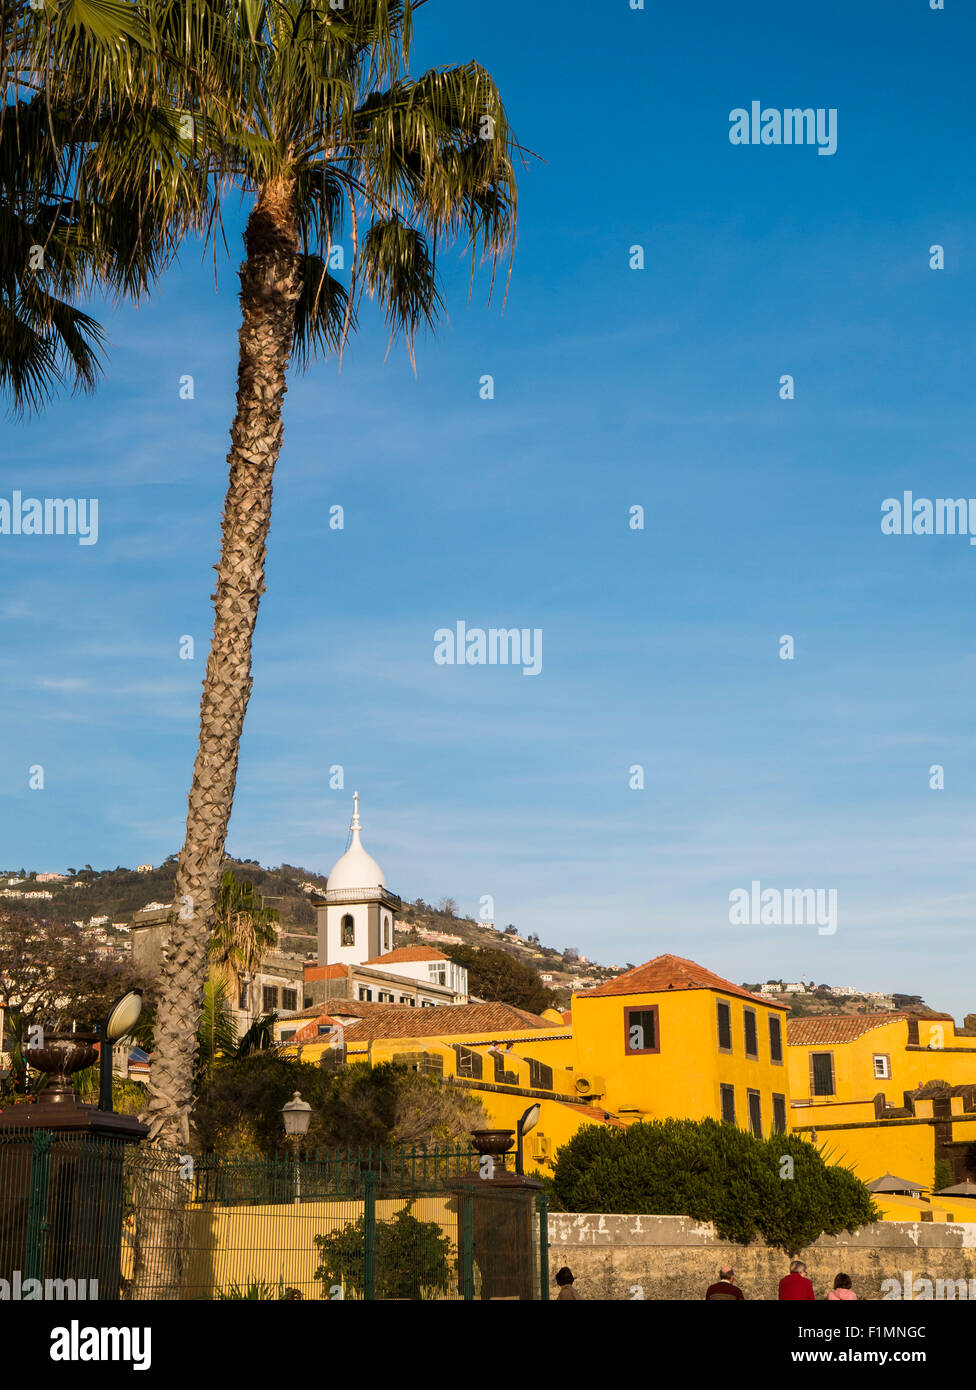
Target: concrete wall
676, 1257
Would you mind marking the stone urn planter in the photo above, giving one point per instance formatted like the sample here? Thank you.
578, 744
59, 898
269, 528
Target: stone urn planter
493, 1141
62, 1055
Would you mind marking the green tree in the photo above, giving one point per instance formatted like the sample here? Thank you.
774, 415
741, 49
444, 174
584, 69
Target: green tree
61, 233
943, 1175
712, 1172
239, 1109
217, 1028
244, 929
412, 1258
499, 976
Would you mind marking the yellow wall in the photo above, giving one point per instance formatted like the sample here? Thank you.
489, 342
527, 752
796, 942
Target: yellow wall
954, 1061
274, 1244
907, 1151
684, 1077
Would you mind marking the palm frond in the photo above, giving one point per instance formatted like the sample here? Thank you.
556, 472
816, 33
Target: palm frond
321, 312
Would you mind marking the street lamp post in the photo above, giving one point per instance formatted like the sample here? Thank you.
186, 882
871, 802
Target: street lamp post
121, 1019
297, 1113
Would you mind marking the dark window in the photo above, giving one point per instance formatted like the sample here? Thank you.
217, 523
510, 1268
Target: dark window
323, 1028
779, 1114
540, 1076
640, 1030
242, 997
307, 1002
728, 1105
425, 1062
724, 1026
775, 1039
289, 998
348, 930
822, 1073
755, 1113
288, 1034
503, 1077
364, 993
385, 996
270, 995
469, 1063
752, 1042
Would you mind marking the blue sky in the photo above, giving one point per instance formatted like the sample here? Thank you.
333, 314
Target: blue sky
613, 387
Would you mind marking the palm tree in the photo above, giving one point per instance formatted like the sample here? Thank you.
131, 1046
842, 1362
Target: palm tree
77, 79
217, 1032
244, 930
310, 112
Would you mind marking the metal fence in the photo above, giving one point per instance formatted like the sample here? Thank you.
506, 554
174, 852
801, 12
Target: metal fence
89, 1217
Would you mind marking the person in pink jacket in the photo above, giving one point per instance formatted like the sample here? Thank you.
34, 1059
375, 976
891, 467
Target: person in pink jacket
842, 1290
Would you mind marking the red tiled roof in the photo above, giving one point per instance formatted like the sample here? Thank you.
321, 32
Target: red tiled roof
326, 972
665, 973
445, 1020
842, 1028
406, 953
310, 1032
349, 1008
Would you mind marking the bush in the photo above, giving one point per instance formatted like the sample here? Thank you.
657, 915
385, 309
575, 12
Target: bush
411, 1258
943, 1174
712, 1172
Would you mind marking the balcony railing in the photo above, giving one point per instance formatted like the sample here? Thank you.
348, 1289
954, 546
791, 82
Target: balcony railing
358, 895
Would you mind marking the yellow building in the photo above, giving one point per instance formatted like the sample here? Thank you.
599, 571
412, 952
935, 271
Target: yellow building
886, 1092
668, 1038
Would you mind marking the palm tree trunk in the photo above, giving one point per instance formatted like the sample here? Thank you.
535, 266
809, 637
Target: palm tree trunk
270, 287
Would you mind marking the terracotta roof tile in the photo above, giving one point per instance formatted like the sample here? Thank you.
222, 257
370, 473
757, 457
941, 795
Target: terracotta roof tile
444, 1020
407, 953
665, 973
840, 1028
310, 1032
326, 972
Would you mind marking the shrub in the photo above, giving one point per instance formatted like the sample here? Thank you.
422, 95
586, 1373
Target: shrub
712, 1172
411, 1258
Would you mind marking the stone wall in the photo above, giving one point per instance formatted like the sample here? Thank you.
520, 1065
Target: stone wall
676, 1257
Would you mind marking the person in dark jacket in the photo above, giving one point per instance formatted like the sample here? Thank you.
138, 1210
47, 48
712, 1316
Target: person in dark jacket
725, 1288
795, 1287
564, 1278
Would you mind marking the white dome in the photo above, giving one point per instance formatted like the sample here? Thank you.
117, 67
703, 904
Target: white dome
356, 868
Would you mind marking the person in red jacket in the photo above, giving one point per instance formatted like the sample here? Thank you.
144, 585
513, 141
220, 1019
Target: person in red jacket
795, 1286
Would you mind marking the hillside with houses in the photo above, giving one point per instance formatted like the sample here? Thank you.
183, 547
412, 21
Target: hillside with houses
107, 900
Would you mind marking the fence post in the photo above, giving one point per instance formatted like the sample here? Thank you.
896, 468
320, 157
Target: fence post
544, 1247
369, 1232
37, 1224
467, 1246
